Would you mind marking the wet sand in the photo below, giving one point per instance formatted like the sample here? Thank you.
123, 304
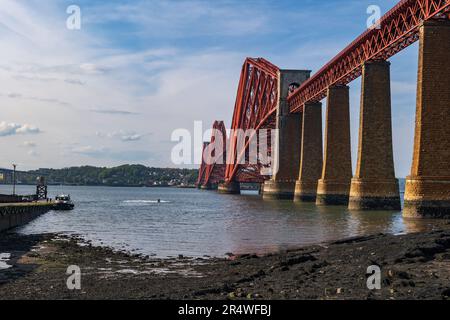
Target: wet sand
414, 266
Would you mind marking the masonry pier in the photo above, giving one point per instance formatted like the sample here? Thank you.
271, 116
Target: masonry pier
428, 187
374, 186
209, 186
288, 142
229, 188
311, 153
334, 186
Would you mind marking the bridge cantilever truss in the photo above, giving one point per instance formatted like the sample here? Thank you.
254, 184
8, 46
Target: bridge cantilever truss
212, 169
258, 96
201, 171
398, 29
255, 109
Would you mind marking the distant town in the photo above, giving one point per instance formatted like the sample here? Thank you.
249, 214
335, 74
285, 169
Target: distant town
122, 176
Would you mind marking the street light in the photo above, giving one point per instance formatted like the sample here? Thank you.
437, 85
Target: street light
14, 179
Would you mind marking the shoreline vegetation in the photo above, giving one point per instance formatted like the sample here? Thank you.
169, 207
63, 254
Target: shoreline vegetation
413, 266
122, 176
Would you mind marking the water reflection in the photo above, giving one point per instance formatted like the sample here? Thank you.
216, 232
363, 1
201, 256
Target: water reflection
420, 225
370, 222
197, 223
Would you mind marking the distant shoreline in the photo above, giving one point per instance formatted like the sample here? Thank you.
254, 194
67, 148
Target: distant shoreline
102, 185
121, 176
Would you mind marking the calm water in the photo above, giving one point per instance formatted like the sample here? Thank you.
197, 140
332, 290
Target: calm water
198, 223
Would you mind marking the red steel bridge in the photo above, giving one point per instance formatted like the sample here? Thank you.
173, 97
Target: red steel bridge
259, 92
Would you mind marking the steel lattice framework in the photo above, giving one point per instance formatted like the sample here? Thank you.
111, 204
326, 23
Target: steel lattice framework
214, 166
398, 29
257, 96
255, 108
201, 171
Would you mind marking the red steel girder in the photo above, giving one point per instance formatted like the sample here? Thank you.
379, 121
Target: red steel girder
255, 108
250, 174
399, 29
214, 173
201, 171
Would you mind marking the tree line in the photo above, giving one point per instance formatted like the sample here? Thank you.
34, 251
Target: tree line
126, 176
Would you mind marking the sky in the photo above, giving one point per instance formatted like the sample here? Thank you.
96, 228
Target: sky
113, 91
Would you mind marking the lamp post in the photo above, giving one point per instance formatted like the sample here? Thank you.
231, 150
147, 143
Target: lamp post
14, 179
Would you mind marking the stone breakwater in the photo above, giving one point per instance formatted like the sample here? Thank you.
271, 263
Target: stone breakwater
13, 215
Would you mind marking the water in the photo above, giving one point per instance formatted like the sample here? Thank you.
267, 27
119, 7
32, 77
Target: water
4, 258
198, 223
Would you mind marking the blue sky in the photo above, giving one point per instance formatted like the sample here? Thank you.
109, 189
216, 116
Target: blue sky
114, 91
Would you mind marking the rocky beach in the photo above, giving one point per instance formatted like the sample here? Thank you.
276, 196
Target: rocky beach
413, 266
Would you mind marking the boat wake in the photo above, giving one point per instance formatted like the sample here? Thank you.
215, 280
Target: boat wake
144, 201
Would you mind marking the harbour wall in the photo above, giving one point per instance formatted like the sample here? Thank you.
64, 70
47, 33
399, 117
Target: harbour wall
17, 214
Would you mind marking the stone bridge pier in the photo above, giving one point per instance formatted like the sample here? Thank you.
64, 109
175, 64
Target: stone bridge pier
428, 187
288, 142
229, 188
311, 153
374, 186
334, 186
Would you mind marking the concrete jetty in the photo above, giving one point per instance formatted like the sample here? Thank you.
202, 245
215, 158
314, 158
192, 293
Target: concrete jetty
13, 215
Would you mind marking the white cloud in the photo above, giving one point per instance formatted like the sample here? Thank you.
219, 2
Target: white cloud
125, 136
106, 153
114, 112
131, 137
10, 129
46, 100
90, 150
90, 68
76, 83
27, 129
29, 144
204, 18
59, 82
32, 153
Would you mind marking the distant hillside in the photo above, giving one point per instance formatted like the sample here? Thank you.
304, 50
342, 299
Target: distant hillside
126, 175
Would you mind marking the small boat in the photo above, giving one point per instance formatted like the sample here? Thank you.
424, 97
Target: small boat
63, 202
